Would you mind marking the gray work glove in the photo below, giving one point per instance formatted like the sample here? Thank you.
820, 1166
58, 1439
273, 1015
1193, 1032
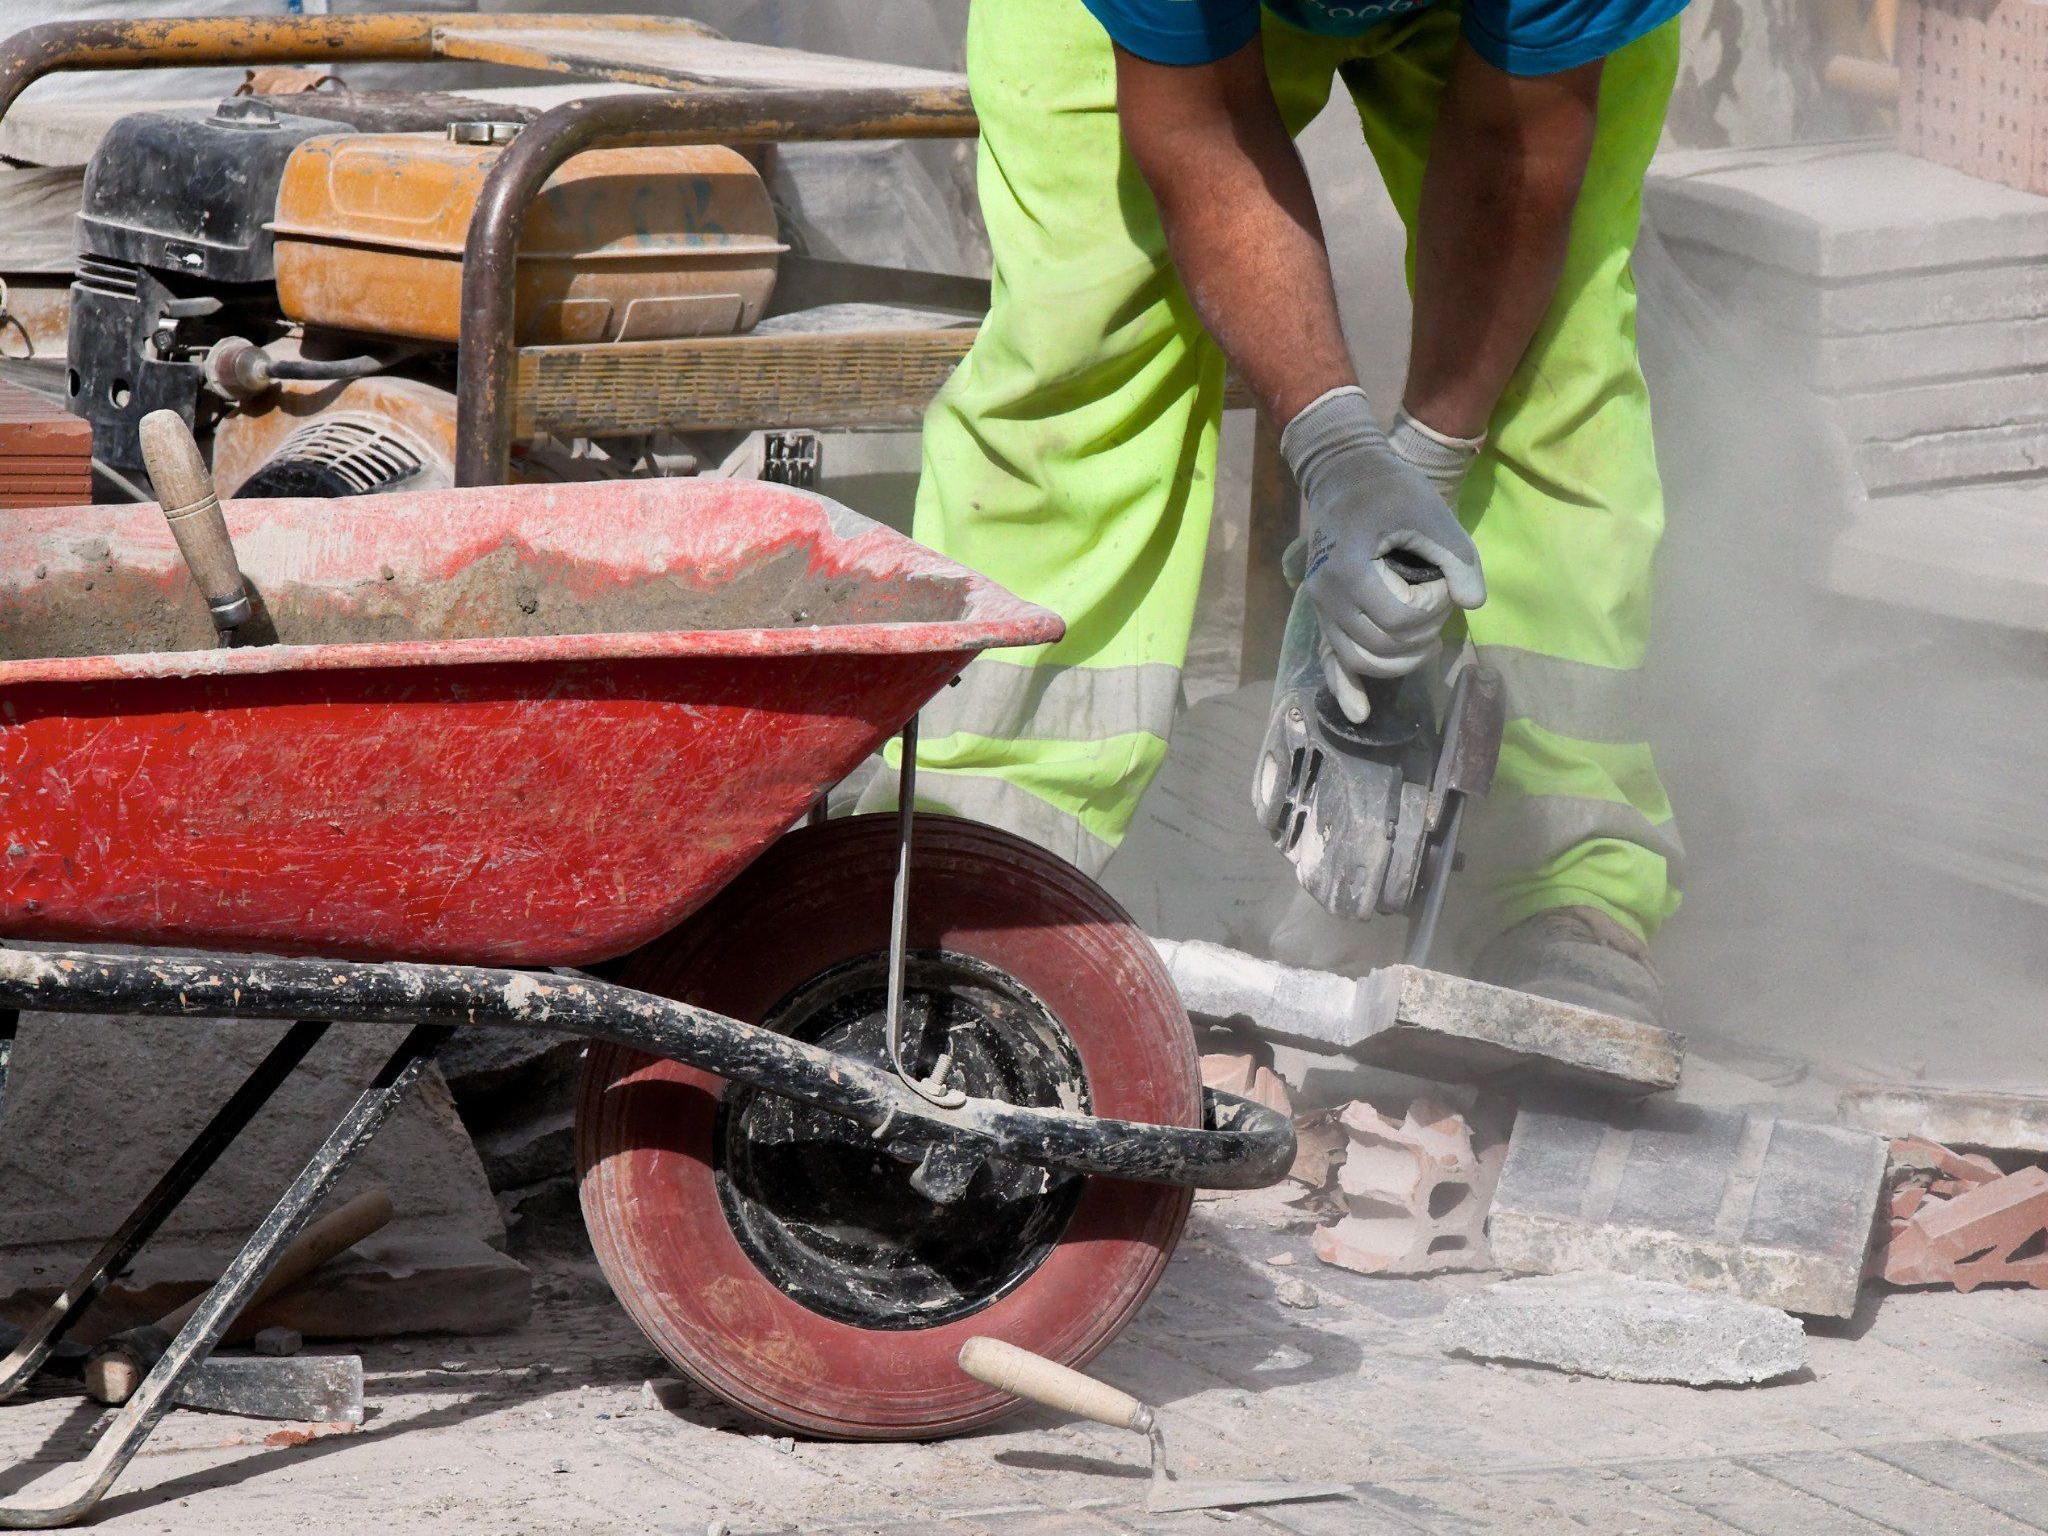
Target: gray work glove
1365, 497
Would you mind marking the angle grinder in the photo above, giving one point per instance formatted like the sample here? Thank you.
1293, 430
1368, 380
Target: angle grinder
1368, 811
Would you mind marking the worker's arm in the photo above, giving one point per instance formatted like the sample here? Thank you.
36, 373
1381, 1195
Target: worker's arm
1240, 220
1504, 171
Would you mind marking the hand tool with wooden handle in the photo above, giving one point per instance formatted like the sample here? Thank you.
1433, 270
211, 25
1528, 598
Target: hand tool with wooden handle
1023, 1374
117, 1364
184, 489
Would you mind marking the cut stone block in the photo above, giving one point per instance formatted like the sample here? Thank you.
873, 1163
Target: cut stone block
98, 1108
1954, 405
1410, 1019
1994, 1232
1717, 1200
1940, 458
1416, 1189
1976, 552
1595, 1324
1842, 210
1838, 363
1919, 299
1955, 1117
389, 1287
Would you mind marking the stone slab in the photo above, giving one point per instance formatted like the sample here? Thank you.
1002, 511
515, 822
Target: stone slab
1903, 301
1955, 1117
1852, 209
1837, 364
1977, 552
406, 1285
97, 1108
1410, 1019
1625, 1329
1773, 1210
1950, 405
1952, 458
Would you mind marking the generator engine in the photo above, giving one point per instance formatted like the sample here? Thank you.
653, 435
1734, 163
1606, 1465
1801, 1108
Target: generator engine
293, 285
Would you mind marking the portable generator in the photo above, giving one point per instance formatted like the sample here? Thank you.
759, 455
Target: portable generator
286, 273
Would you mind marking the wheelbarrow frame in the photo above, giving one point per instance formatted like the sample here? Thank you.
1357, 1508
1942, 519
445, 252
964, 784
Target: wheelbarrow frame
1240, 1144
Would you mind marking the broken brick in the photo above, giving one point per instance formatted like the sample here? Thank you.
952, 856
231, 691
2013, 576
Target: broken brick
1243, 1076
1415, 1190
1319, 1143
1993, 1233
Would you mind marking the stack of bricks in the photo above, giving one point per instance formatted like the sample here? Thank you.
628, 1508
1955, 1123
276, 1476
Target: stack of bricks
45, 452
1913, 299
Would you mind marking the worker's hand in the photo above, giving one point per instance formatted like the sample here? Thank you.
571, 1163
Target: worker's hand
1366, 500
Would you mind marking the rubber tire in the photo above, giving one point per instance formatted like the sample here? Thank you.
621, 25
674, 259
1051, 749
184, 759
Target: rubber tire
818, 897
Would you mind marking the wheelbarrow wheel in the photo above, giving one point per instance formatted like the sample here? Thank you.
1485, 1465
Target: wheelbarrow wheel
772, 1252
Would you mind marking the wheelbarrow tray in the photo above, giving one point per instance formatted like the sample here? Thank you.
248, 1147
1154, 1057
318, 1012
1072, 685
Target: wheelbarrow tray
531, 725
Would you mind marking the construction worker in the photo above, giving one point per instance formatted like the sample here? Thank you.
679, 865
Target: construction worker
1149, 218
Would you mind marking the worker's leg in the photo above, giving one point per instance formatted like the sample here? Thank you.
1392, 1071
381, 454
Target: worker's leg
1566, 509
1072, 456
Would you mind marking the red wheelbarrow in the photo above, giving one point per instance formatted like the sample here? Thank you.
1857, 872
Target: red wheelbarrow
854, 1093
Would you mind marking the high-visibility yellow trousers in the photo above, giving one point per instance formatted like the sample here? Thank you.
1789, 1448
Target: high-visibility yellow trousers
1072, 458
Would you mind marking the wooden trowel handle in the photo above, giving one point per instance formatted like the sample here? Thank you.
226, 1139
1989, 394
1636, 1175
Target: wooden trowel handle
335, 1233
1023, 1374
184, 489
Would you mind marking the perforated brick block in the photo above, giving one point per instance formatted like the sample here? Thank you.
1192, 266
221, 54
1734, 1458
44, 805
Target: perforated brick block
1971, 95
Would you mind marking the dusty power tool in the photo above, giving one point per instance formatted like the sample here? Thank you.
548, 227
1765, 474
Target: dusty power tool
1369, 811
287, 273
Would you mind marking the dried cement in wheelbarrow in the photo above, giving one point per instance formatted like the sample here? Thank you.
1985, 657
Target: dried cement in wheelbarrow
95, 601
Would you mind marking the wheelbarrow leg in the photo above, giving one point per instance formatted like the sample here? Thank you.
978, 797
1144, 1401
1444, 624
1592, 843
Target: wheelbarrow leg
156, 1206
61, 1499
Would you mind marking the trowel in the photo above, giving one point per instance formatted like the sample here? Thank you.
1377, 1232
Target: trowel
1023, 1374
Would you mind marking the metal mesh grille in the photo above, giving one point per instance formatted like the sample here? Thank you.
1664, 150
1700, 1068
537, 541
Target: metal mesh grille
360, 449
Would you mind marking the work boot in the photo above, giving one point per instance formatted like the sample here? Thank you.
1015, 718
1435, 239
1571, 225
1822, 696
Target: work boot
1577, 955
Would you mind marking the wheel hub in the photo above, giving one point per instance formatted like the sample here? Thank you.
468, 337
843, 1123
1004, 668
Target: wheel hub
848, 1230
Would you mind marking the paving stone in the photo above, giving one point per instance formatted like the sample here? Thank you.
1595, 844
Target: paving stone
1595, 1324
1953, 405
1425, 1022
1842, 210
1415, 1188
1955, 1117
2013, 1487
1939, 458
1917, 300
1718, 1200
1885, 1494
1976, 552
1839, 363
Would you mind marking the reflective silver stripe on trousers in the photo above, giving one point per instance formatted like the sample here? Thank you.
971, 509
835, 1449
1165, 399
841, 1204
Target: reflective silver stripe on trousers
1004, 701
1569, 698
1525, 832
984, 797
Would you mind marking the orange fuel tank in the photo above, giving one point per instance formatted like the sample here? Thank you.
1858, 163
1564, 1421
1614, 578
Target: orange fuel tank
622, 244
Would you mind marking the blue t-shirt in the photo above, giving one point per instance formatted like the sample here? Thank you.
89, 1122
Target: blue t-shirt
1523, 37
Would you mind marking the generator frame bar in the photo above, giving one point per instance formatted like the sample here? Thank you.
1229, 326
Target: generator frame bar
488, 354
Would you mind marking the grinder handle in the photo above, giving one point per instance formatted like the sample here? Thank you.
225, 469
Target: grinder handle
1023, 1374
184, 489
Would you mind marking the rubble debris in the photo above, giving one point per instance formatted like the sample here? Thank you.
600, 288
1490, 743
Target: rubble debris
1415, 1020
1243, 1076
1954, 1117
1319, 1143
277, 1341
1592, 1323
1772, 1210
1415, 1189
1991, 1232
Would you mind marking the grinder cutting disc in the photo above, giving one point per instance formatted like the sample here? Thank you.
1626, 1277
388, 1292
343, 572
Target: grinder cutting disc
774, 1253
